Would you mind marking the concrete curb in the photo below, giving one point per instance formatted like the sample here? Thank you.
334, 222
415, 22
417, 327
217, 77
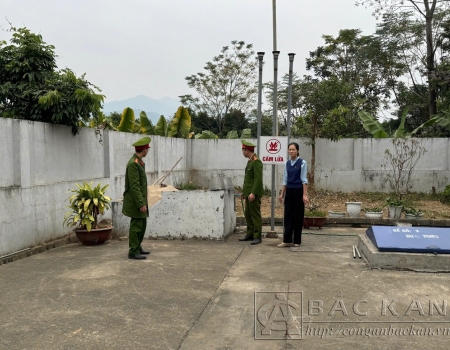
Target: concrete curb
418, 262
240, 221
70, 238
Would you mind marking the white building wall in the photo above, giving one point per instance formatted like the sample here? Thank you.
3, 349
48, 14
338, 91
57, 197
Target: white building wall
7, 161
41, 162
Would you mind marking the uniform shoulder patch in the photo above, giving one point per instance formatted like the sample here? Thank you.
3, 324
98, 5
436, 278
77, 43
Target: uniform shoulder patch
136, 160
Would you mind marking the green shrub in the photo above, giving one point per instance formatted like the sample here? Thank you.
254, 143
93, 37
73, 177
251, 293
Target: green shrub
315, 213
392, 202
413, 211
190, 186
86, 204
373, 210
445, 196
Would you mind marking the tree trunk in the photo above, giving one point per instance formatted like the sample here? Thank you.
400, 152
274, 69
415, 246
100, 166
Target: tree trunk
219, 125
430, 59
313, 164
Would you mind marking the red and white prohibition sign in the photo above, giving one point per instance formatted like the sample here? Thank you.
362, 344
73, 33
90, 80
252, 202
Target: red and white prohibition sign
273, 149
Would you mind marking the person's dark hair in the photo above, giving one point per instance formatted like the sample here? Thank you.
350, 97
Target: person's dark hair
297, 147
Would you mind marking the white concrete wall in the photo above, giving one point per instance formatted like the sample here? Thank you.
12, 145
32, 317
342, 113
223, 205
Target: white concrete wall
224, 158
7, 164
185, 214
41, 162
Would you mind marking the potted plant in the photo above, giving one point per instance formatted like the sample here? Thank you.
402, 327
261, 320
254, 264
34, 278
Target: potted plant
336, 214
86, 204
373, 213
395, 207
314, 217
353, 209
412, 213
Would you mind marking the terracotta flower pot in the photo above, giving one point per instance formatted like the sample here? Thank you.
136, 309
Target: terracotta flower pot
94, 237
314, 221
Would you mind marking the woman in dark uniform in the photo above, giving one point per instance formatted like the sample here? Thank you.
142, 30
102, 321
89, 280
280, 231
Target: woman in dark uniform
295, 195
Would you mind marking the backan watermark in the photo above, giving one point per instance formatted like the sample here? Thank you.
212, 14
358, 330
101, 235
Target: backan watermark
290, 315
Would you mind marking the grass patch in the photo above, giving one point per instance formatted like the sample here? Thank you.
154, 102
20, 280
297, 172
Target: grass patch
190, 186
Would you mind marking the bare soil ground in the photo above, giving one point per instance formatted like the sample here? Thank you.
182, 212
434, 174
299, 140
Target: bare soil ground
335, 201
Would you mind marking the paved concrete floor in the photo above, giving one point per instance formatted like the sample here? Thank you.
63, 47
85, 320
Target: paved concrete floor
203, 295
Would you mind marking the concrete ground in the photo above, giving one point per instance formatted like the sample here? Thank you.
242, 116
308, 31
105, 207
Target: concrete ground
205, 294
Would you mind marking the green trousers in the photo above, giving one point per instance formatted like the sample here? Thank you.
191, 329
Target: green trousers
136, 235
252, 215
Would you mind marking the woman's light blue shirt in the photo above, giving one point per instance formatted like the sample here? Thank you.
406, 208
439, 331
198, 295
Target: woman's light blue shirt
303, 172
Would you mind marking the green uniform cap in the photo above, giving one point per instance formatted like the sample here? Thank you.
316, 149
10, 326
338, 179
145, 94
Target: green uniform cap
142, 142
246, 143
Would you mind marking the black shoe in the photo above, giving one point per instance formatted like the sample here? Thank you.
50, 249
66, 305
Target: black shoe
137, 256
142, 251
246, 238
256, 241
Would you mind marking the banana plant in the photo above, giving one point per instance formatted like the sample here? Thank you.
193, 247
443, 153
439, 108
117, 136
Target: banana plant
372, 125
232, 134
146, 127
246, 134
161, 126
180, 124
442, 120
206, 134
127, 121
100, 122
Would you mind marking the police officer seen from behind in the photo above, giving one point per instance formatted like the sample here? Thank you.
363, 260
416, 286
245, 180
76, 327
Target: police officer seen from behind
135, 203
252, 192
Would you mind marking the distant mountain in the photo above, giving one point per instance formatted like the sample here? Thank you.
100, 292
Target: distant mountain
153, 108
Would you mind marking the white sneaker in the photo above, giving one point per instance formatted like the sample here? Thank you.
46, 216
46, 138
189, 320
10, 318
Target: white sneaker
296, 245
285, 245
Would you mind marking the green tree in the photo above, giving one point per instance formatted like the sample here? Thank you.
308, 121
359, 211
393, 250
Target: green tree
363, 68
31, 88
201, 121
364, 63
325, 111
266, 124
415, 99
351, 72
234, 120
282, 101
115, 117
425, 16
230, 82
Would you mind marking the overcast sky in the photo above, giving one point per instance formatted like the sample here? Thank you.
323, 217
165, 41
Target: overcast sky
148, 47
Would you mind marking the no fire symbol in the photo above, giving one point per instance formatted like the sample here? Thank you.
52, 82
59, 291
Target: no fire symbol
273, 146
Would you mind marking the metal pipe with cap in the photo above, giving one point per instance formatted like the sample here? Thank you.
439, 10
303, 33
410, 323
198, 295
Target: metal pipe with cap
258, 136
289, 106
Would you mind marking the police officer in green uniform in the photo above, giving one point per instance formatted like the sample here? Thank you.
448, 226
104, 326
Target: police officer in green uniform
135, 204
252, 193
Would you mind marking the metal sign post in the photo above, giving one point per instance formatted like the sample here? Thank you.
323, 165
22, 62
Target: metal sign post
272, 233
260, 58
